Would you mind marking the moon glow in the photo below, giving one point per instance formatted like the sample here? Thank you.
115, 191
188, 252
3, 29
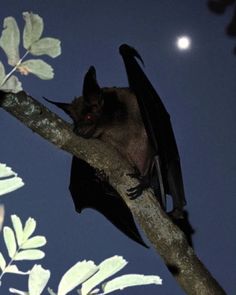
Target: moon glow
183, 43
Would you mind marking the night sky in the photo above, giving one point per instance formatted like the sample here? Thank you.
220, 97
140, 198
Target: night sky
197, 87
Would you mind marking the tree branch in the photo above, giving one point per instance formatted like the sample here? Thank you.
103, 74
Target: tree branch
165, 237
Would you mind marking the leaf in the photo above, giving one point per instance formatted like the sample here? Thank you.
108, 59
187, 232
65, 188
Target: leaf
2, 262
106, 269
10, 40
38, 279
2, 74
29, 255
6, 171
19, 292
18, 228
12, 85
35, 242
129, 281
29, 228
14, 269
50, 291
2, 214
37, 67
76, 275
33, 28
10, 184
10, 241
48, 46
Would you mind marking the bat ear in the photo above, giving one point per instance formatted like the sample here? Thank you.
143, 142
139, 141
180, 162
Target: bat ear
91, 89
66, 107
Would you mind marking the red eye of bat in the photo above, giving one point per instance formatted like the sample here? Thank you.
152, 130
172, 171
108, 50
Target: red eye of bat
89, 117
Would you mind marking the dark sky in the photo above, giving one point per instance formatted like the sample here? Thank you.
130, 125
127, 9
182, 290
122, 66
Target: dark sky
198, 88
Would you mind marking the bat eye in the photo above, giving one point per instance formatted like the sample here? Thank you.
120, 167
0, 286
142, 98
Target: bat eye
89, 117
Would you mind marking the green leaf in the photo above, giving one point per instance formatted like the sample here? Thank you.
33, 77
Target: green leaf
35, 242
107, 268
76, 275
129, 281
17, 225
38, 279
2, 262
29, 228
10, 241
10, 40
14, 269
33, 29
38, 67
29, 255
48, 46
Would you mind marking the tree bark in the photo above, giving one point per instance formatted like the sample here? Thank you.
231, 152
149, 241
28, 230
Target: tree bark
164, 236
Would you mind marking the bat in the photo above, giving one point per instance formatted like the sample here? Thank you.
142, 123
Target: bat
135, 122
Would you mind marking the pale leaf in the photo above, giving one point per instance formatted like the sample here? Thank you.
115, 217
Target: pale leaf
12, 85
10, 184
2, 215
10, 40
19, 292
2, 262
9, 239
6, 171
2, 74
14, 269
51, 292
18, 228
48, 46
76, 275
107, 268
33, 28
37, 67
130, 280
38, 279
29, 228
35, 242
29, 255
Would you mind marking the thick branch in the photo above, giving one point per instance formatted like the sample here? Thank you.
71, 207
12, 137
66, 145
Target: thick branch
165, 237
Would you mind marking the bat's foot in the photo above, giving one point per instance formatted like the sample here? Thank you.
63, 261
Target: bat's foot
144, 183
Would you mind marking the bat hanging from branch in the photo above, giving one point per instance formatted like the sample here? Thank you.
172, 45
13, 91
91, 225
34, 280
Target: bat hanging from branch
135, 122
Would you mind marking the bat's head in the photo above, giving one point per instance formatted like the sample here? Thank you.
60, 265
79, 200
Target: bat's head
86, 111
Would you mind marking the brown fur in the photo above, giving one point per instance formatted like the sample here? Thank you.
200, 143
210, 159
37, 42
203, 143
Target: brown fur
118, 123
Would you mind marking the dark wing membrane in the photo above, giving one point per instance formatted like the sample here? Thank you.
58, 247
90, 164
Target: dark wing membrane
88, 191
158, 126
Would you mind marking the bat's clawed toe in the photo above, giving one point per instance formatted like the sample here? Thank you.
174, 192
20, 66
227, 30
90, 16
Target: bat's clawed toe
135, 192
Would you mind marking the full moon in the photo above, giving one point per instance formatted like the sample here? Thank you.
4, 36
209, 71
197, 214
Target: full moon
183, 43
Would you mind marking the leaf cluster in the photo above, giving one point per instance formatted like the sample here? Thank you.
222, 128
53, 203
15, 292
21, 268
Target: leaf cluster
33, 44
22, 246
